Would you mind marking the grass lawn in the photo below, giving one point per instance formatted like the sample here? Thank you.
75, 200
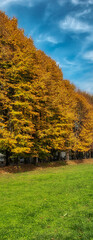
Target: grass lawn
53, 203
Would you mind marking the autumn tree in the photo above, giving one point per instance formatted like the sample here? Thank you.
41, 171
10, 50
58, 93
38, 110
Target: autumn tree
39, 111
84, 124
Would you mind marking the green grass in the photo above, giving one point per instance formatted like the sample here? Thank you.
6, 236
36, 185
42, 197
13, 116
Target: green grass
52, 204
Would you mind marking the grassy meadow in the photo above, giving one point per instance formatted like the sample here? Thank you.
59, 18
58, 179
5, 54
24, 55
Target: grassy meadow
49, 204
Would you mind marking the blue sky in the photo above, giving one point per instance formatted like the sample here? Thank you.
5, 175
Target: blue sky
63, 29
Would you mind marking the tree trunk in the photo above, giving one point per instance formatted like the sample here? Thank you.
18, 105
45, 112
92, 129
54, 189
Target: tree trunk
67, 155
90, 154
85, 155
7, 157
36, 160
75, 155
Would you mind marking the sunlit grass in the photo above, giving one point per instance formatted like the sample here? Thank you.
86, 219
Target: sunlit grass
55, 203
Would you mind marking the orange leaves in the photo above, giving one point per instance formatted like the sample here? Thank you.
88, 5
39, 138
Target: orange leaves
84, 113
39, 111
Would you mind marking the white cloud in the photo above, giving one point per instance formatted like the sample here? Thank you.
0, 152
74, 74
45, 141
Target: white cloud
89, 39
75, 25
86, 43
86, 85
6, 3
62, 2
83, 13
90, 1
88, 56
47, 38
51, 39
75, 2
69, 67
29, 3
84, 53
82, 2
70, 63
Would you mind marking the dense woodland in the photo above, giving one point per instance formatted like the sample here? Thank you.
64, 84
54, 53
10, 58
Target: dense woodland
40, 113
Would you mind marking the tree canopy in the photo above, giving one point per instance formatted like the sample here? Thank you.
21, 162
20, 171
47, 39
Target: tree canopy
39, 111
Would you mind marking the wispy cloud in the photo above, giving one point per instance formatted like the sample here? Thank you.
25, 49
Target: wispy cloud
87, 43
87, 85
6, 3
69, 62
47, 38
51, 39
88, 55
62, 2
83, 13
89, 40
71, 67
82, 2
75, 1
90, 1
29, 3
73, 24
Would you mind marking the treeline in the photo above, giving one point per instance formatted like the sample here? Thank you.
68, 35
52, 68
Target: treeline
39, 111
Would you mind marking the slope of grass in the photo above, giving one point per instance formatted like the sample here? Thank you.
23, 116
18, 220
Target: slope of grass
52, 204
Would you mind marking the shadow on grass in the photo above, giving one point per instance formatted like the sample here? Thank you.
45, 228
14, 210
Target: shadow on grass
31, 167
